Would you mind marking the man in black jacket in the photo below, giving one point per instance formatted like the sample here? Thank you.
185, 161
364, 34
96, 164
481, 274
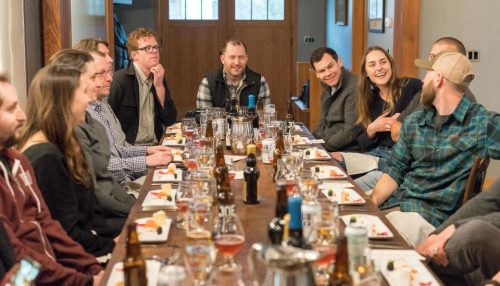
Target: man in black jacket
233, 79
139, 94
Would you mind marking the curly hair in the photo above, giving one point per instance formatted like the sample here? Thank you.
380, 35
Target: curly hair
133, 39
48, 110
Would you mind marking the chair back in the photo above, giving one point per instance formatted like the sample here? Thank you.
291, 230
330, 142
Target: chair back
474, 183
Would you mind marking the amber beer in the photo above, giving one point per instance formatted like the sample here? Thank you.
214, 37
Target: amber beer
134, 266
229, 244
278, 152
220, 166
340, 275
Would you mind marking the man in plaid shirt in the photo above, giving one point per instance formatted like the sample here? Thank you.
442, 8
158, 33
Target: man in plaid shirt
233, 80
424, 180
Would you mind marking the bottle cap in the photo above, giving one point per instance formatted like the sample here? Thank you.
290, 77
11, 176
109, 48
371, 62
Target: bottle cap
251, 148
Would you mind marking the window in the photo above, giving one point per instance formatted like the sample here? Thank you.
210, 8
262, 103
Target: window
259, 9
193, 9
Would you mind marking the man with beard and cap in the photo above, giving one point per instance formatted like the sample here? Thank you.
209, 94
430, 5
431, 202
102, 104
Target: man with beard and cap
425, 177
25, 215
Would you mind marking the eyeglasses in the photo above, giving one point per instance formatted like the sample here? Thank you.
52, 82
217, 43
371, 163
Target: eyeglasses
150, 49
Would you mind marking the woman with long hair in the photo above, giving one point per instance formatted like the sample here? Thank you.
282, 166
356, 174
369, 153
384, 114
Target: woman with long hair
382, 95
58, 97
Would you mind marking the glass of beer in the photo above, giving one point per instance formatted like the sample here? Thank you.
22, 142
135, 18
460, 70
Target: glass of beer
198, 220
184, 196
200, 256
229, 237
326, 231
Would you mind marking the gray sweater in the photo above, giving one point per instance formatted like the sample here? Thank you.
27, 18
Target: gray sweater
110, 195
338, 115
485, 206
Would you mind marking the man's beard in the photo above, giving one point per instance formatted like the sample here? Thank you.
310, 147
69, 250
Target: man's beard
11, 141
428, 95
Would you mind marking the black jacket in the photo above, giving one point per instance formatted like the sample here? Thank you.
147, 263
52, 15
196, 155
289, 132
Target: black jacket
219, 92
124, 100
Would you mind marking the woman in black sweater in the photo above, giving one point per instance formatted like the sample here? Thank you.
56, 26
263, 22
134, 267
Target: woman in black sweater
57, 100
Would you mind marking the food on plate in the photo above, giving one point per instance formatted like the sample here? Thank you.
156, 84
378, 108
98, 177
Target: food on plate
165, 193
159, 217
171, 169
334, 173
151, 225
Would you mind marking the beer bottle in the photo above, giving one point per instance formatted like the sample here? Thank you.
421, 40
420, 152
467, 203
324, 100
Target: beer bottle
295, 224
277, 225
225, 197
278, 152
340, 275
134, 266
220, 167
289, 119
209, 134
251, 175
255, 117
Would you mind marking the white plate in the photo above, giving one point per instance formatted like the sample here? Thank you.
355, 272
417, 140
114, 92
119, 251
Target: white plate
300, 140
343, 196
169, 141
316, 154
152, 271
406, 265
176, 127
148, 234
376, 228
327, 172
153, 202
160, 175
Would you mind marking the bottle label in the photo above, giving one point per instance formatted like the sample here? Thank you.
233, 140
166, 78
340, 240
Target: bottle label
310, 213
226, 210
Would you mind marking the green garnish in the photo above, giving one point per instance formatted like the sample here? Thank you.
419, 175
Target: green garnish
390, 265
175, 176
308, 152
352, 219
317, 169
169, 198
330, 193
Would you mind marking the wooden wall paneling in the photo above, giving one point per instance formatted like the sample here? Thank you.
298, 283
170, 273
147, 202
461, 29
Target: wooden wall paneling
56, 15
314, 99
301, 75
406, 36
359, 33
110, 27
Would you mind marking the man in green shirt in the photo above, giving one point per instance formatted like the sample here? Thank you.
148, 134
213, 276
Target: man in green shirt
425, 177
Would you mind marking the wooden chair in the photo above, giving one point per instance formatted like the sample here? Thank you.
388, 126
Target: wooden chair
475, 181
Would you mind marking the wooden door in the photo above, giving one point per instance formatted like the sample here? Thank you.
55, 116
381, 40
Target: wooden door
190, 49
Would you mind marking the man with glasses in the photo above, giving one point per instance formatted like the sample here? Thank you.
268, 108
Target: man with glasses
139, 94
338, 101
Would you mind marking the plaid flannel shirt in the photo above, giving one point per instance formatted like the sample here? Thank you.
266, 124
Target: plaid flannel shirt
431, 166
204, 98
127, 161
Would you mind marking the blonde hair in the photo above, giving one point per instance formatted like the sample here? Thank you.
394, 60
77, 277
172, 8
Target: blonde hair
365, 88
48, 110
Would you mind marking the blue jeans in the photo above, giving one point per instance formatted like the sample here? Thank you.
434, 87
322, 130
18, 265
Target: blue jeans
369, 180
383, 153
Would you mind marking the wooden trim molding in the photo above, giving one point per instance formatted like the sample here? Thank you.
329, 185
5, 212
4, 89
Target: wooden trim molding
110, 27
406, 36
359, 34
56, 15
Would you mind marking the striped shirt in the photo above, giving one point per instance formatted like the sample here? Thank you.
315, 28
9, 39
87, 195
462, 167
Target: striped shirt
431, 165
204, 98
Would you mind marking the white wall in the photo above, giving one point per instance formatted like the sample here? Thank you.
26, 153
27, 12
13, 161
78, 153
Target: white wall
476, 24
87, 20
339, 37
12, 47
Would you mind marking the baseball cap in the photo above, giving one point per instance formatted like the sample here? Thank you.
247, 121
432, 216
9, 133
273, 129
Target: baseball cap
454, 66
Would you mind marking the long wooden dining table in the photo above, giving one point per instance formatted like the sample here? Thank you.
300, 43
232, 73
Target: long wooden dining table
254, 218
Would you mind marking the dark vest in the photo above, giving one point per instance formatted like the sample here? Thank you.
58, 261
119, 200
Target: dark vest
220, 92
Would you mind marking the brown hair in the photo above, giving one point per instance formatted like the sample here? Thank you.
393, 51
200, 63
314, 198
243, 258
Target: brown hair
453, 42
133, 39
317, 55
48, 110
365, 88
91, 45
4, 78
234, 42
72, 57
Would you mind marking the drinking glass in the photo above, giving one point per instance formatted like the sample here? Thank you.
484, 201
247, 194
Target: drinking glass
203, 186
229, 237
231, 169
188, 126
206, 158
326, 225
308, 184
198, 220
189, 157
200, 256
184, 196
223, 277
288, 142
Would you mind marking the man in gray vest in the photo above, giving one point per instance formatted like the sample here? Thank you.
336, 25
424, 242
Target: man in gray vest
233, 80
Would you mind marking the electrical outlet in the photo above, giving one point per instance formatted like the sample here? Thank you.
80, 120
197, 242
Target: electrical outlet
473, 55
309, 39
